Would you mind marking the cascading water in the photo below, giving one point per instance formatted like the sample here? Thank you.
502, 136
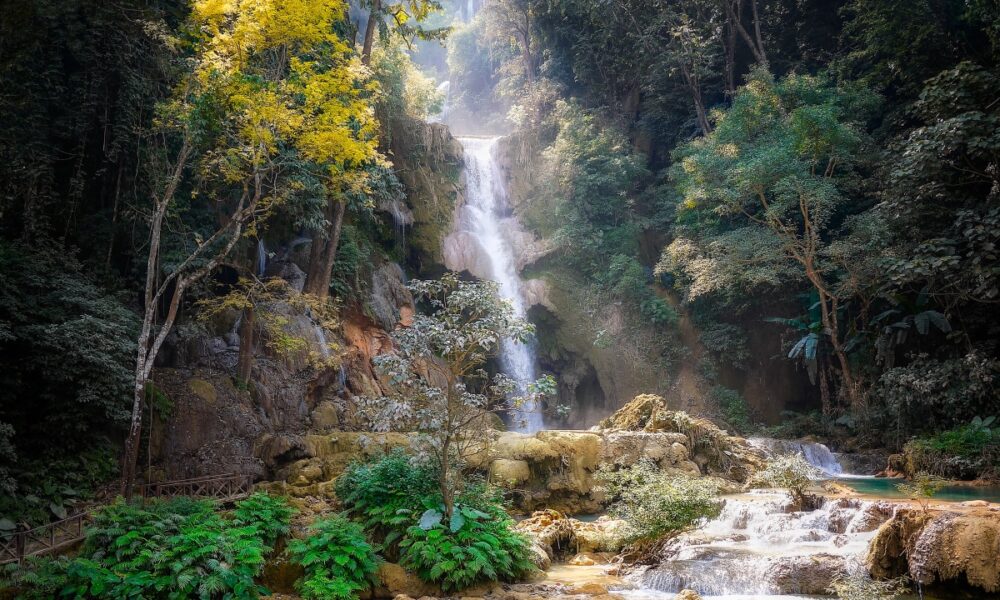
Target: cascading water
261, 258
816, 454
758, 549
480, 218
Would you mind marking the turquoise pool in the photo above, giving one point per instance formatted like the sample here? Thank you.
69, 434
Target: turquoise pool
885, 487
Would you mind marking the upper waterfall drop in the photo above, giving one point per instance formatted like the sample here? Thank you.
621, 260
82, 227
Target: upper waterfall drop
480, 221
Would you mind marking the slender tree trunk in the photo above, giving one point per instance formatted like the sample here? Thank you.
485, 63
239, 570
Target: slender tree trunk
244, 365
373, 16
756, 47
730, 52
180, 279
447, 496
323, 256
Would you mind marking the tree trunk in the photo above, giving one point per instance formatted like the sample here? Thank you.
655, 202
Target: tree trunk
322, 256
730, 52
447, 496
756, 47
244, 365
373, 17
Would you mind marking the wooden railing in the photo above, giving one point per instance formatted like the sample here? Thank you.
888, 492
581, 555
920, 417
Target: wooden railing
18, 545
220, 487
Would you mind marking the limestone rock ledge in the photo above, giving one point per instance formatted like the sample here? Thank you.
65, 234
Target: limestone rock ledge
939, 546
550, 469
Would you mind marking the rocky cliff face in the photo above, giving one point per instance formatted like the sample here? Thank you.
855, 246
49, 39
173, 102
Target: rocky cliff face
207, 424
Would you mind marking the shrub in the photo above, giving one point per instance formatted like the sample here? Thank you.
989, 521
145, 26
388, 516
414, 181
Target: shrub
270, 515
734, 408
338, 560
179, 548
968, 451
922, 487
655, 504
789, 471
386, 495
474, 547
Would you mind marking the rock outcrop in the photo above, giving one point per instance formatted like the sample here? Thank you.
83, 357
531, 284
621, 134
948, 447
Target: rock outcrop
939, 546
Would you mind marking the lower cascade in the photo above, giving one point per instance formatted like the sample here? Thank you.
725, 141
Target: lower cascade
757, 548
481, 220
815, 453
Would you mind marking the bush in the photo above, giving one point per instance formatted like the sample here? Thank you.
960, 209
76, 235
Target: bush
922, 487
386, 495
270, 515
734, 408
338, 560
656, 505
474, 547
789, 471
964, 452
178, 548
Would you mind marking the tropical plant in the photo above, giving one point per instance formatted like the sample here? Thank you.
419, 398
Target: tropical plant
270, 515
337, 559
386, 495
179, 548
469, 547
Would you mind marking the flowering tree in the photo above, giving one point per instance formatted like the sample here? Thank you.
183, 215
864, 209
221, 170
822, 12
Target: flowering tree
441, 388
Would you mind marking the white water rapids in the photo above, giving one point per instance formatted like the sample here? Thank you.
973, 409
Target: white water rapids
480, 218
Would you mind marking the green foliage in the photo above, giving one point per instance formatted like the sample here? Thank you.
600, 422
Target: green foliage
337, 559
271, 515
790, 471
472, 547
933, 395
49, 486
656, 505
386, 495
734, 408
964, 452
922, 487
178, 548
69, 346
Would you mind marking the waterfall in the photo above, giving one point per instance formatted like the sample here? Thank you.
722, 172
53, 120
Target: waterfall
486, 201
816, 454
261, 258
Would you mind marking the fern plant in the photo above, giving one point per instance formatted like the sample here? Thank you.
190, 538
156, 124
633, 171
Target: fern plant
386, 495
178, 548
270, 515
473, 547
337, 559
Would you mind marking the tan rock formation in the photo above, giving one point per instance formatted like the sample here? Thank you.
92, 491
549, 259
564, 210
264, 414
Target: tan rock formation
939, 546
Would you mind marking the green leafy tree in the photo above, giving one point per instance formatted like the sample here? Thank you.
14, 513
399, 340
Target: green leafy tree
439, 361
791, 472
774, 170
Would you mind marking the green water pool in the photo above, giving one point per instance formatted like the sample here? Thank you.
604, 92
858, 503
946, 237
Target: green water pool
885, 487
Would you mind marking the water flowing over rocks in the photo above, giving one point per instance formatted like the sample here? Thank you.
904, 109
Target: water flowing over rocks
758, 545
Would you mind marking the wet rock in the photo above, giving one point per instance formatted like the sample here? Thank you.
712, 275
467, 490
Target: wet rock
687, 595
509, 473
395, 581
805, 574
325, 416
